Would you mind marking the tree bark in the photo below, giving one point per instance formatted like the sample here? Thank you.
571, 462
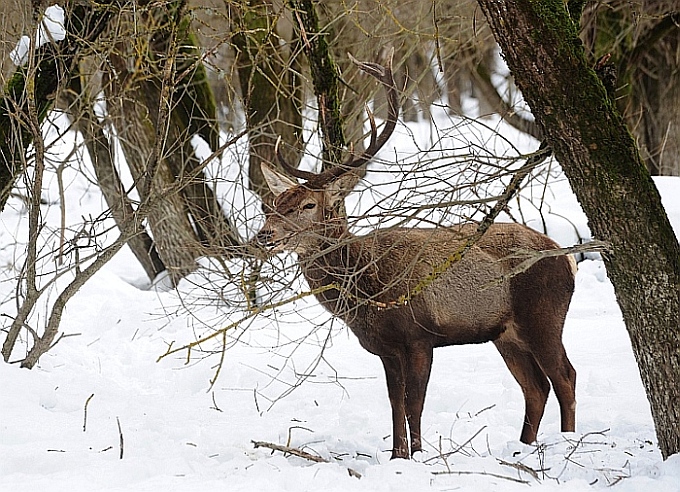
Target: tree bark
643, 40
186, 220
54, 61
175, 239
102, 156
325, 79
271, 96
540, 43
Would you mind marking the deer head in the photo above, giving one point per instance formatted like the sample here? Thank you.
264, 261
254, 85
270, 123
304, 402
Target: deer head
305, 215
303, 218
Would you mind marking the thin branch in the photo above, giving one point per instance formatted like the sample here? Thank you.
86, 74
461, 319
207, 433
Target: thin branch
164, 109
521, 467
461, 446
300, 454
45, 342
87, 402
667, 24
533, 257
437, 46
120, 439
438, 270
33, 123
495, 475
500, 106
256, 311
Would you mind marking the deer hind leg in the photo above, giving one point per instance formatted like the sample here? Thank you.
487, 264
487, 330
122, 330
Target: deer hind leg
534, 384
396, 390
563, 377
418, 365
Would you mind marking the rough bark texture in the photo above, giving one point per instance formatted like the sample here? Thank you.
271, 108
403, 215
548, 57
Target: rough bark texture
325, 78
643, 39
16, 15
83, 24
186, 220
541, 46
140, 126
176, 241
270, 93
102, 155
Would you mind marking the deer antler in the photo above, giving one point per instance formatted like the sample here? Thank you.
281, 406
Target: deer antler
292, 170
384, 74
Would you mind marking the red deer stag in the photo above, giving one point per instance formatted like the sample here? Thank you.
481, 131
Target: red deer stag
359, 277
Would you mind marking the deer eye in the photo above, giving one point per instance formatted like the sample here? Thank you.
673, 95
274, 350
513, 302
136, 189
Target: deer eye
309, 206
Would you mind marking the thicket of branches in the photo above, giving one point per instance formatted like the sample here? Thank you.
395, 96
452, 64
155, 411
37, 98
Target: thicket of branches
146, 84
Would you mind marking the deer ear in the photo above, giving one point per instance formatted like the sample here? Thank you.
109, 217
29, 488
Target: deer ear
277, 182
338, 189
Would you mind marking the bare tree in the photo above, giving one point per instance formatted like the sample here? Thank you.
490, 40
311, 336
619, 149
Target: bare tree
643, 40
270, 85
161, 65
600, 158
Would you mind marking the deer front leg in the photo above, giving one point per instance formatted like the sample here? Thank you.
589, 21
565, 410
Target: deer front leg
396, 390
418, 365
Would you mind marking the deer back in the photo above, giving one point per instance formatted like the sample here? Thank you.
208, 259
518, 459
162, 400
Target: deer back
469, 301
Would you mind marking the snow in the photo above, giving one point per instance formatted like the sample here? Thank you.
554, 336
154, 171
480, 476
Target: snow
51, 28
292, 376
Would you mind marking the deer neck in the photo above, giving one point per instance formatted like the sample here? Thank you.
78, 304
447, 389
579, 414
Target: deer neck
342, 262
332, 252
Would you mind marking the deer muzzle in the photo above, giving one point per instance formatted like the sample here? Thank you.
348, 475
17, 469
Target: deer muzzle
265, 239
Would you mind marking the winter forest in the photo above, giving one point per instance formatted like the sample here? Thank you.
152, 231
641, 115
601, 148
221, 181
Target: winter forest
214, 215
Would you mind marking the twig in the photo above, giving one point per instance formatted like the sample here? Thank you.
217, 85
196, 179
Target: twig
215, 407
164, 109
445, 455
439, 269
521, 467
120, 438
300, 454
254, 312
290, 450
290, 432
484, 409
437, 46
441, 453
257, 405
87, 402
576, 445
533, 257
495, 475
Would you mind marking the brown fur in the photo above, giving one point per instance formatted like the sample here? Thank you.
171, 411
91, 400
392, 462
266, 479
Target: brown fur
523, 316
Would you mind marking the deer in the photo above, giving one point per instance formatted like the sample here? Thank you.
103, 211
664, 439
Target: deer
359, 278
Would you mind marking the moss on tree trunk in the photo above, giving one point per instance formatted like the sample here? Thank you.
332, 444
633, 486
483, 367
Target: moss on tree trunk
540, 43
83, 24
324, 78
271, 98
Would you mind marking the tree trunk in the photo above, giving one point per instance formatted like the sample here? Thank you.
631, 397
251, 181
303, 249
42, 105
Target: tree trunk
15, 15
176, 241
53, 62
325, 79
186, 220
102, 156
590, 140
643, 40
657, 101
271, 96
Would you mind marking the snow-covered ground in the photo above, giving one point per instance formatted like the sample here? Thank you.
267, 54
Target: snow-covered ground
295, 378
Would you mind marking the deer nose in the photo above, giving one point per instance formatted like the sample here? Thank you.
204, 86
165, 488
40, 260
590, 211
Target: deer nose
264, 237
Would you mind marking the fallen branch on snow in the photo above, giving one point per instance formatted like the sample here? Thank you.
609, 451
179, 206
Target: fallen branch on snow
299, 453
